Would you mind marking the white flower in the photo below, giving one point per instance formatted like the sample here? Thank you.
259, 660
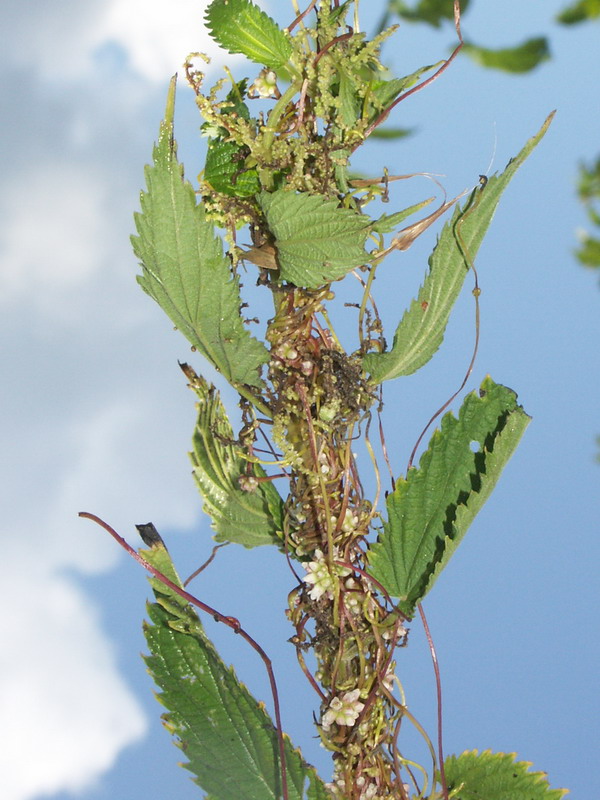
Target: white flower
369, 793
317, 573
287, 352
350, 521
343, 710
248, 483
400, 632
390, 679
265, 85
211, 129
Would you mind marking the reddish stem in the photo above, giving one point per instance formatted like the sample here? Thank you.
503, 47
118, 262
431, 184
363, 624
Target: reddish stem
438, 687
231, 622
208, 561
424, 83
301, 16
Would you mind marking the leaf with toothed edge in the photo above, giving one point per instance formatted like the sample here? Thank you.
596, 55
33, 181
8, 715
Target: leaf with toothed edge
250, 518
496, 776
317, 241
421, 329
431, 509
239, 26
184, 269
227, 737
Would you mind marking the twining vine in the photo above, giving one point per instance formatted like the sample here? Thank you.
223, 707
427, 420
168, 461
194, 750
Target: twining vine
278, 171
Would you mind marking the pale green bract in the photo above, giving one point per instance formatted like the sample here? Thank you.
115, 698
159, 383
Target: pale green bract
496, 776
317, 241
250, 518
184, 268
239, 26
387, 222
421, 329
227, 737
385, 92
430, 511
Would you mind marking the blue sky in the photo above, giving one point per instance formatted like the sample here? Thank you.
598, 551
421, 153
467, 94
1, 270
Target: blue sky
96, 415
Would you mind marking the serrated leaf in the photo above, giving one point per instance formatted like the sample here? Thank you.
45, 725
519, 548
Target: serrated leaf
579, 12
522, 58
317, 242
239, 26
249, 518
184, 268
387, 222
225, 172
430, 511
496, 776
421, 329
228, 739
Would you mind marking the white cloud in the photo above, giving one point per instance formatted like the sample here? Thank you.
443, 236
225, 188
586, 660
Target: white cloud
52, 236
107, 472
80, 433
66, 711
63, 702
154, 36
157, 36
83, 416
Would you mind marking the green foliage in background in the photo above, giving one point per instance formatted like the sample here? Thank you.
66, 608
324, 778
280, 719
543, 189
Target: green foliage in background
521, 59
589, 192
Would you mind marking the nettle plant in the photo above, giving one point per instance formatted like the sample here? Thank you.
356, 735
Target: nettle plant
280, 145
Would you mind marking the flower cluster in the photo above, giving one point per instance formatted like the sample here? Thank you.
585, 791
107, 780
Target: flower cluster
322, 577
265, 85
343, 710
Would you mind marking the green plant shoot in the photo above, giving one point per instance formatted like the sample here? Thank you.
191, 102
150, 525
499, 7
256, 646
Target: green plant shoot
279, 198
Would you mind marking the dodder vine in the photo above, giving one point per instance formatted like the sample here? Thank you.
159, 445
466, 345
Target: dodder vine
279, 149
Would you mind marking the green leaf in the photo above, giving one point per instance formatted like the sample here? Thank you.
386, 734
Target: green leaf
184, 269
387, 222
228, 739
385, 92
235, 101
241, 27
421, 329
522, 58
579, 12
317, 242
496, 776
432, 12
430, 511
225, 172
588, 182
336, 14
250, 518
348, 96
391, 133
589, 251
